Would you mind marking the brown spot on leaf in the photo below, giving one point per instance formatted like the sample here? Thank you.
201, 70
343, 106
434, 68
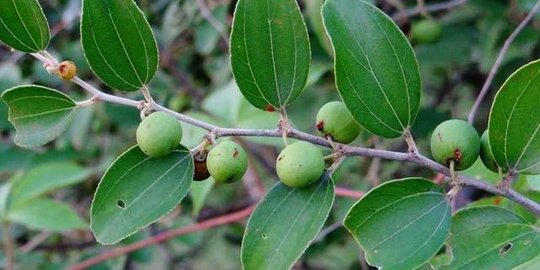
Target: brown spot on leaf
269, 108
121, 204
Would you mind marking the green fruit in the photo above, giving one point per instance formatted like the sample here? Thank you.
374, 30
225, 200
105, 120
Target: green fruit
485, 153
333, 119
455, 140
159, 134
227, 162
426, 31
300, 164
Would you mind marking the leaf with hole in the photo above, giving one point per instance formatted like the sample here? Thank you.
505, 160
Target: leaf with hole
514, 121
400, 224
137, 190
39, 114
490, 237
46, 214
375, 67
118, 43
284, 224
23, 25
270, 52
46, 178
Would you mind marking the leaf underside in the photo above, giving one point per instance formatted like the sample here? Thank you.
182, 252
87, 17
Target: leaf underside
39, 114
376, 69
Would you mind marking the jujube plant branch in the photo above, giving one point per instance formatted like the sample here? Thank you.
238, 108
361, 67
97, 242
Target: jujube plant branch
217, 132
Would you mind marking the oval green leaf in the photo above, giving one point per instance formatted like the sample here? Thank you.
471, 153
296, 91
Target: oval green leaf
490, 237
46, 178
136, 191
375, 67
23, 25
514, 121
400, 224
39, 114
118, 43
270, 51
284, 224
46, 214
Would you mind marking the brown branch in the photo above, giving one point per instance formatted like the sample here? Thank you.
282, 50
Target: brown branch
8, 246
498, 61
428, 9
214, 222
345, 192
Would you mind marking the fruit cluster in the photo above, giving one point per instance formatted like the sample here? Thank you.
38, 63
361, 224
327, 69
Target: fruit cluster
298, 165
454, 143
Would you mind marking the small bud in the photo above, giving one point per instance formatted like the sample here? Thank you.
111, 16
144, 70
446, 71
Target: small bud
67, 70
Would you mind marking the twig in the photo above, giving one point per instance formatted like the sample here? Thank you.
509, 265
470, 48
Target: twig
207, 14
221, 220
8, 246
499, 60
428, 8
348, 193
34, 242
414, 157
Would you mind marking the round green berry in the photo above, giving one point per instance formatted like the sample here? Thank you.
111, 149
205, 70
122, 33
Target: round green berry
486, 154
455, 140
334, 120
300, 164
426, 31
159, 134
227, 162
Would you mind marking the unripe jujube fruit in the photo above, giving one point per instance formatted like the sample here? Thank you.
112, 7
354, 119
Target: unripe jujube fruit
333, 119
227, 162
159, 134
486, 154
426, 31
67, 70
201, 169
455, 140
300, 164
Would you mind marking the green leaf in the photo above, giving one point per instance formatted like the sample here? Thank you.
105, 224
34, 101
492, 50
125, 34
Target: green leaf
284, 224
137, 190
46, 214
401, 224
46, 178
375, 67
270, 51
118, 43
23, 25
490, 237
313, 10
39, 114
514, 121
199, 192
